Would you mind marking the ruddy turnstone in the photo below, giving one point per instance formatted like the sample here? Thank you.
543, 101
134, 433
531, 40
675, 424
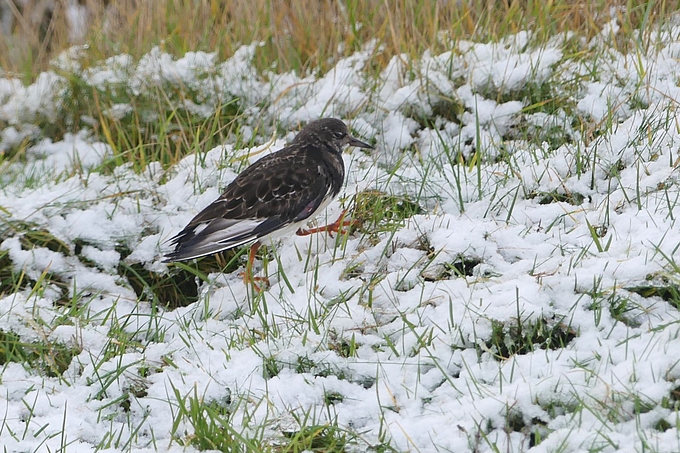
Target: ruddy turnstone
275, 195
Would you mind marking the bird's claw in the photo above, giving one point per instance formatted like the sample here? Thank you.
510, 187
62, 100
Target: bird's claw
336, 227
249, 279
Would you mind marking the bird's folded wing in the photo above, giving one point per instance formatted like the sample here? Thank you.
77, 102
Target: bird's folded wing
257, 203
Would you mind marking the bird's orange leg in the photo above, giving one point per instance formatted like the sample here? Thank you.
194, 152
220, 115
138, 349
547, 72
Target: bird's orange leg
248, 277
335, 227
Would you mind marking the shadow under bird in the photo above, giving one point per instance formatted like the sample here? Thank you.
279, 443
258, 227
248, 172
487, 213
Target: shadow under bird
277, 194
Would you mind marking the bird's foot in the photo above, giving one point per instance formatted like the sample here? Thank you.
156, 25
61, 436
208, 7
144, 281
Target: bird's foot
250, 279
336, 227
247, 275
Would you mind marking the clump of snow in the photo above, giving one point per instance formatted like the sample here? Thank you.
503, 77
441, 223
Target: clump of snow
505, 67
73, 151
8, 87
398, 131
107, 259
35, 261
337, 93
10, 137
43, 97
113, 71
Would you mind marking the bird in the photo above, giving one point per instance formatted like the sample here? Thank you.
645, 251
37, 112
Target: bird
276, 195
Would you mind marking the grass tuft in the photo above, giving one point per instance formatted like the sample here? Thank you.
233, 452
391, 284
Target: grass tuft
50, 358
317, 438
573, 198
669, 292
208, 425
377, 211
525, 337
462, 266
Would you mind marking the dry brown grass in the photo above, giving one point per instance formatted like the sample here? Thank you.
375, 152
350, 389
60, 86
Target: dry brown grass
306, 34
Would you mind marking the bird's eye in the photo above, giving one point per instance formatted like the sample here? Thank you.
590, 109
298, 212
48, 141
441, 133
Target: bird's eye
338, 134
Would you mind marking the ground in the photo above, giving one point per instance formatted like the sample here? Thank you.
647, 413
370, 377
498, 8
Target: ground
512, 284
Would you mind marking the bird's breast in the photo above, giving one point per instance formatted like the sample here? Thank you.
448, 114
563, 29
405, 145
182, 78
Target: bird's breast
335, 167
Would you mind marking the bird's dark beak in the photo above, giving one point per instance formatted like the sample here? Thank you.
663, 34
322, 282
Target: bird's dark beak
358, 143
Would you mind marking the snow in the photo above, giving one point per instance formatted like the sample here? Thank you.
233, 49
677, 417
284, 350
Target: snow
371, 317
24, 104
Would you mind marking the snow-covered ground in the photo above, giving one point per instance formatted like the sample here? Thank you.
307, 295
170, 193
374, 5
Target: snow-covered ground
567, 215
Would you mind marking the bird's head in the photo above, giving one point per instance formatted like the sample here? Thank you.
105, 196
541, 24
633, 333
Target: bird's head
331, 131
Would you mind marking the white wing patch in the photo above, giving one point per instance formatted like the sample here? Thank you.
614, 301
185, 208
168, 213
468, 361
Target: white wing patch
232, 232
